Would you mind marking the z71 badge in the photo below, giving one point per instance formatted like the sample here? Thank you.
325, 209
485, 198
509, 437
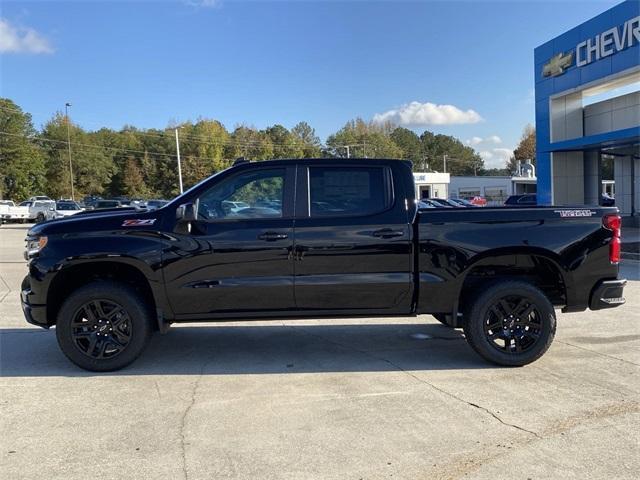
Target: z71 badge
575, 213
138, 222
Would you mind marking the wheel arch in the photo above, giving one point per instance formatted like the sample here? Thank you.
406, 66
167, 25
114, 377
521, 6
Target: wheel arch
537, 266
71, 276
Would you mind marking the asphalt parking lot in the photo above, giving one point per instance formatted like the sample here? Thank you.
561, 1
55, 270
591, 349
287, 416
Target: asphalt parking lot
326, 399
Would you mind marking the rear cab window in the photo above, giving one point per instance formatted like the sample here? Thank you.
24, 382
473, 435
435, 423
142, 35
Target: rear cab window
349, 191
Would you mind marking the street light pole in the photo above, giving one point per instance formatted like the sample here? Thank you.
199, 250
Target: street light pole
66, 116
179, 163
444, 157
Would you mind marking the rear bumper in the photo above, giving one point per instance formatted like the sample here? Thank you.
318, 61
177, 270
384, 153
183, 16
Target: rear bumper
607, 294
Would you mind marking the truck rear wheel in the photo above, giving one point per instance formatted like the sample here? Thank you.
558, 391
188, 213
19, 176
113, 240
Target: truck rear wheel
103, 326
512, 323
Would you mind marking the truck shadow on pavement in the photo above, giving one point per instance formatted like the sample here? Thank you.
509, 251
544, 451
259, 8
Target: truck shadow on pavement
272, 349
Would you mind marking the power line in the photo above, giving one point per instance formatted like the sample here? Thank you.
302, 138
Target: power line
198, 138
103, 147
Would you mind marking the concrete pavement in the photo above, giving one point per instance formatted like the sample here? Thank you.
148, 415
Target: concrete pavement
329, 399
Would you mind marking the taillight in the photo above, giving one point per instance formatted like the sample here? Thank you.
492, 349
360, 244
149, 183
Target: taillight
613, 223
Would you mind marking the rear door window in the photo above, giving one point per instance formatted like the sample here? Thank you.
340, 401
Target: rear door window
349, 191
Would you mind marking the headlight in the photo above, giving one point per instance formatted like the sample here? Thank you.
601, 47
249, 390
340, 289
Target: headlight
34, 245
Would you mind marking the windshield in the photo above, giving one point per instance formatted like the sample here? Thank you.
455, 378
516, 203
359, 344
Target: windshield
67, 206
107, 204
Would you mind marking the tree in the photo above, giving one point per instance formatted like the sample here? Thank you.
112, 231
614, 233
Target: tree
525, 151
285, 145
461, 159
250, 143
410, 145
22, 171
305, 134
134, 184
363, 139
93, 165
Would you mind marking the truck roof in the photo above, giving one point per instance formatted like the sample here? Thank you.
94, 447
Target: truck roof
324, 160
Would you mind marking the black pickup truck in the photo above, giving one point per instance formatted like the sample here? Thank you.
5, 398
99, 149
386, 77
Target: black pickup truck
317, 238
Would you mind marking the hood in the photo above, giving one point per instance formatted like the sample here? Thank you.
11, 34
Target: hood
98, 220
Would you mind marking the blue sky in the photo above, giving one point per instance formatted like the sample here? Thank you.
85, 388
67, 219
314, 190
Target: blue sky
149, 63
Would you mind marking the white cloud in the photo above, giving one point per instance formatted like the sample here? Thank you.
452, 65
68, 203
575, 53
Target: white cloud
492, 139
496, 157
204, 3
418, 114
15, 39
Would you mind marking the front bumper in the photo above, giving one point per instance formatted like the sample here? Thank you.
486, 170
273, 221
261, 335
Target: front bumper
607, 294
34, 314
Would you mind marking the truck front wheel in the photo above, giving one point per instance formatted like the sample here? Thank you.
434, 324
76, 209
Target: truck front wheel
103, 326
512, 323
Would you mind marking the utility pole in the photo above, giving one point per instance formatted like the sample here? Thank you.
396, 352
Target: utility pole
66, 117
444, 157
179, 163
348, 152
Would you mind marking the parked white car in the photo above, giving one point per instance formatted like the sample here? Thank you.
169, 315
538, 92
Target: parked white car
40, 210
9, 212
66, 208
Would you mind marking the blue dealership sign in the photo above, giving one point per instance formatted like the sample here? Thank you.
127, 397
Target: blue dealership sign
605, 46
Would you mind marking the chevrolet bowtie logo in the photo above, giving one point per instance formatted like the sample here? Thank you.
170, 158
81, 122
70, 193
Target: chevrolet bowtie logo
558, 64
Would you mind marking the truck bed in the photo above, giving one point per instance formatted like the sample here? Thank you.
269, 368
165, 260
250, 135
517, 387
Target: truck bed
569, 244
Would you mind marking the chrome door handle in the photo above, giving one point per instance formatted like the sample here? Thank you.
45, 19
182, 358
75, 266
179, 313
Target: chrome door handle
387, 233
272, 236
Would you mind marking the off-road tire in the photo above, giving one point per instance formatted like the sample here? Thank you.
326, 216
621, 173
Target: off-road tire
133, 307
478, 315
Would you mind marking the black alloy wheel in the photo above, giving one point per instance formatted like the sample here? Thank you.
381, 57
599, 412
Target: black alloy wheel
104, 325
510, 323
513, 324
101, 329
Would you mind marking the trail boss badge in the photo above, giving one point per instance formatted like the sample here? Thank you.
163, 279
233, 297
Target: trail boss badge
575, 213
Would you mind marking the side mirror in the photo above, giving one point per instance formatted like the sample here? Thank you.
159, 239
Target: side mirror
187, 212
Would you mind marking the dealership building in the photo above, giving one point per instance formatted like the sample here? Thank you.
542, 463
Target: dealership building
587, 91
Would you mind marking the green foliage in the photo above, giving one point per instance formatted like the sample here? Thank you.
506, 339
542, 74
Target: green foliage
525, 151
461, 159
250, 143
306, 135
92, 165
143, 162
409, 143
364, 139
21, 162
